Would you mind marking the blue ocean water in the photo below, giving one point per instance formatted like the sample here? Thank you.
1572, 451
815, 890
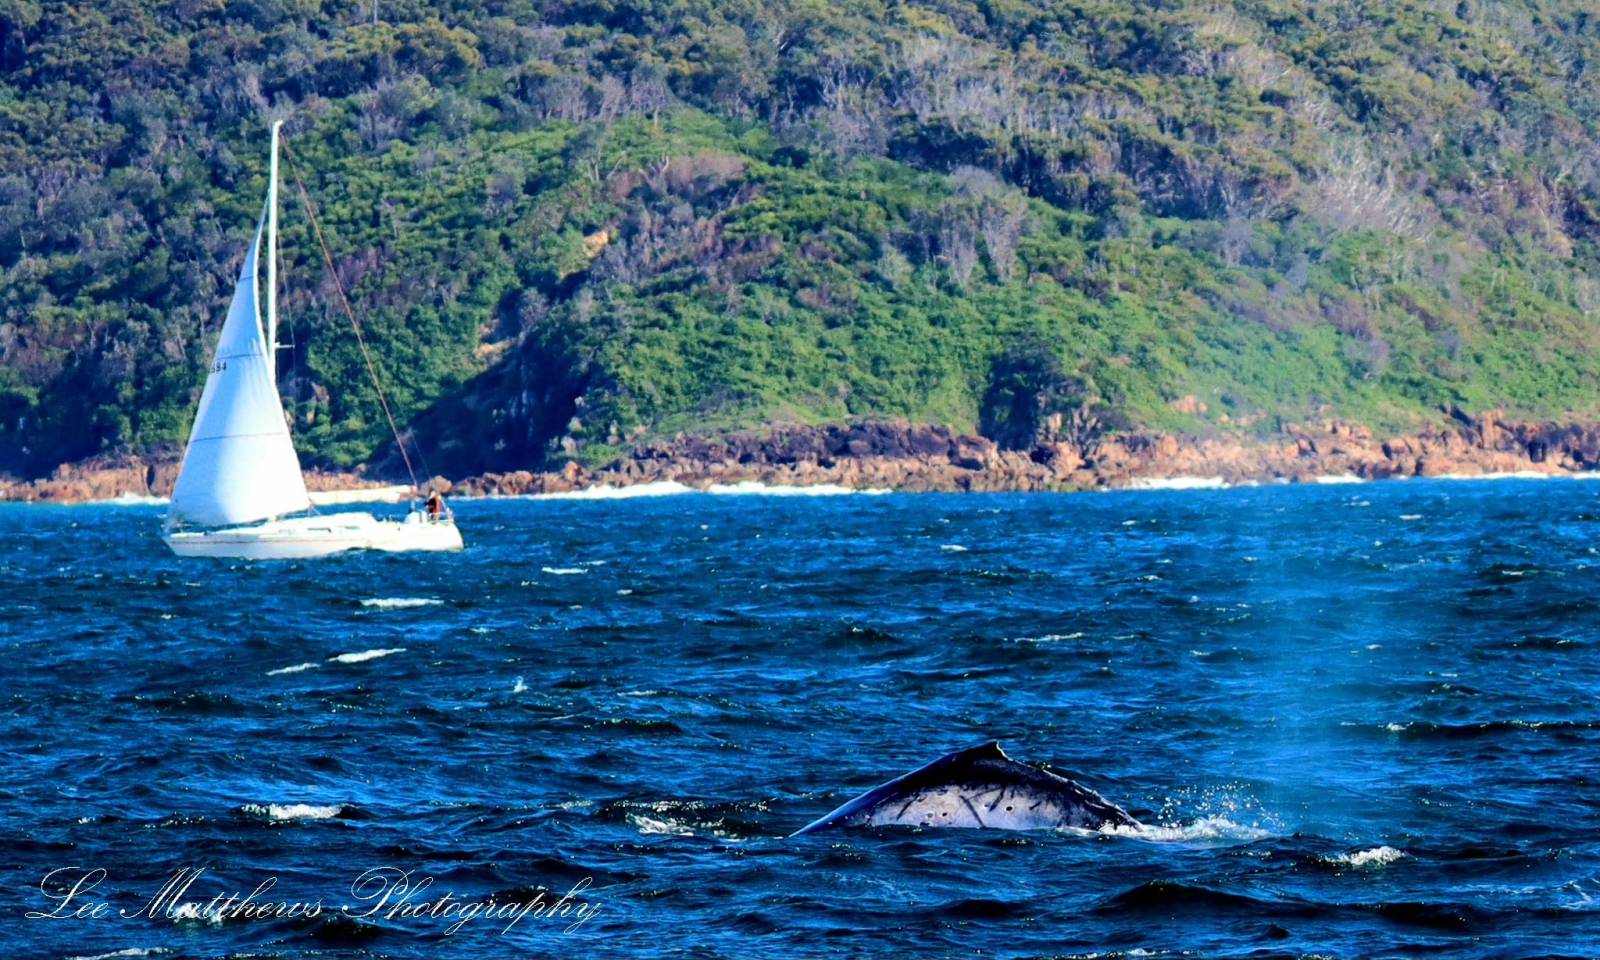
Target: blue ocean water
1361, 720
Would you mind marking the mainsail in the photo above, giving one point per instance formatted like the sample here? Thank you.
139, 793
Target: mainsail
240, 465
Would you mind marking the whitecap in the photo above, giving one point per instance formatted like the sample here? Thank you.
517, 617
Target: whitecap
565, 571
195, 913
652, 825
1049, 638
365, 655
1410, 516
127, 499
292, 811
660, 488
520, 687
953, 547
668, 488
1375, 857
400, 603
756, 488
297, 668
125, 952
1178, 483
1334, 478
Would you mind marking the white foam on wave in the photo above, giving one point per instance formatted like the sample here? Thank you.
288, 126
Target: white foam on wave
365, 655
196, 913
659, 488
124, 952
565, 571
1374, 857
1337, 478
952, 548
1049, 638
134, 500
669, 488
756, 488
292, 811
297, 668
399, 603
661, 826
520, 687
1206, 828
1178, 483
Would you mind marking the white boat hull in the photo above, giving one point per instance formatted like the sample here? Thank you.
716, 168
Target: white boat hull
298, 538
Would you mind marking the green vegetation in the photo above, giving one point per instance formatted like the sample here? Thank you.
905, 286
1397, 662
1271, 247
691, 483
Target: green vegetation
567, 224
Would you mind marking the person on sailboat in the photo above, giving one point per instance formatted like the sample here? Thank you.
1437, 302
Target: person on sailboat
434, 504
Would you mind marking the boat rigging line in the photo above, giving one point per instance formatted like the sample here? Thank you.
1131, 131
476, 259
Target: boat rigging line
344, 301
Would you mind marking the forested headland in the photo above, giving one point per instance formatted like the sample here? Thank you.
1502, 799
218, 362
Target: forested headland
571, 226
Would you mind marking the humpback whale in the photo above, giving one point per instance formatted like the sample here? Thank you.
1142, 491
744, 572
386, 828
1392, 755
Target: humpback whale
979, 787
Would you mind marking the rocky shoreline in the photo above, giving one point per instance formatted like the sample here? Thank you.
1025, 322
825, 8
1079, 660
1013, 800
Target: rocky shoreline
896, 455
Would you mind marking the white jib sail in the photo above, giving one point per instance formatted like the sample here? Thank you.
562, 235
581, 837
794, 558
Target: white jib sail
240, 465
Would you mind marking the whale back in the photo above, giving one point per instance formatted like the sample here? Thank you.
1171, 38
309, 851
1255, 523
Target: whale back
977, 788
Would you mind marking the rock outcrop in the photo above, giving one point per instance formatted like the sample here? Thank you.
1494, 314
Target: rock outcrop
903, 456
110, 477
896, 455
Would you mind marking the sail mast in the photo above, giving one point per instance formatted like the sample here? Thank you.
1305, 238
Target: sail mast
272, 256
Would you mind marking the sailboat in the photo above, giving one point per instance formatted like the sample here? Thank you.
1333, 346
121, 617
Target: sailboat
240, 491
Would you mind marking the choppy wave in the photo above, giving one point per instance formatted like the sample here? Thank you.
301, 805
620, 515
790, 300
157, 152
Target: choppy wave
789, 653
564, 571
1487, 728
